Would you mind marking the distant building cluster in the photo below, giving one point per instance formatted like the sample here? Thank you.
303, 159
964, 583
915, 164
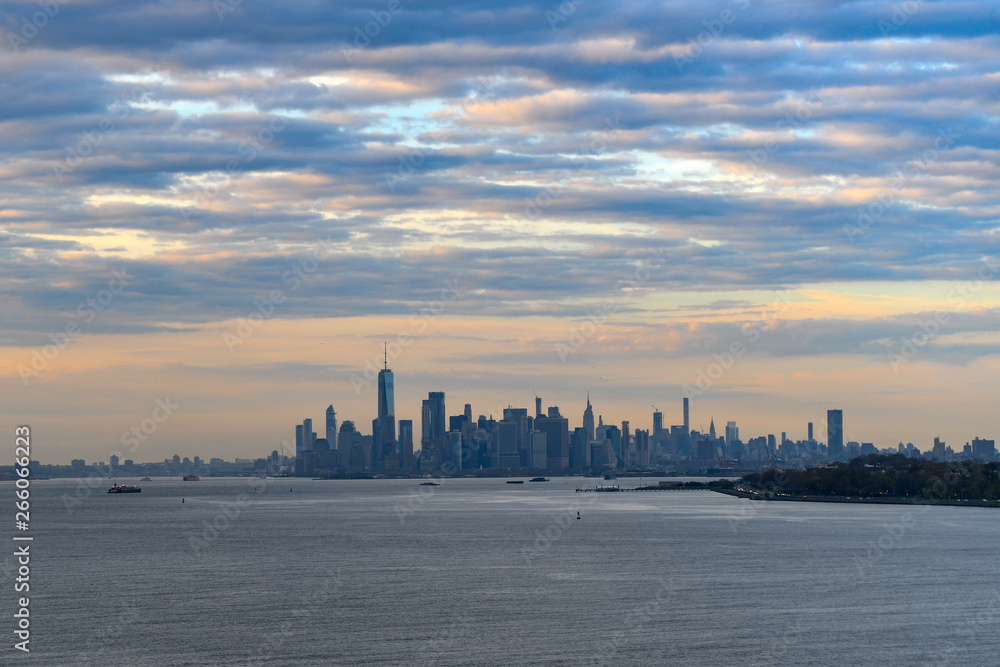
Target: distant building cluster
543, 440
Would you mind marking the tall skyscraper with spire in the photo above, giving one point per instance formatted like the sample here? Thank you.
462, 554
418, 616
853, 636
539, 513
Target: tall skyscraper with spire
385, 436
588, 419
711, 429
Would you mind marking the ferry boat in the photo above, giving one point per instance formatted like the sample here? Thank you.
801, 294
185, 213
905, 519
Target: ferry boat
538, 479
124, 488
145, 479
515, 481
191, 478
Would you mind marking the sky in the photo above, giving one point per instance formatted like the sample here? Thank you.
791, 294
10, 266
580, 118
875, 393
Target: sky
215, 214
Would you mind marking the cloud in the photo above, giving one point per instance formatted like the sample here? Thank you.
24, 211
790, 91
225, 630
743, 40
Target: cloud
535, 154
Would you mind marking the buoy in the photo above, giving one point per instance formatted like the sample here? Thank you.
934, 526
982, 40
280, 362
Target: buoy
577, 515
182, 500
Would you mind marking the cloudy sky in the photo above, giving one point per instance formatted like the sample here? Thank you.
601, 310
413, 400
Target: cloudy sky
228, 206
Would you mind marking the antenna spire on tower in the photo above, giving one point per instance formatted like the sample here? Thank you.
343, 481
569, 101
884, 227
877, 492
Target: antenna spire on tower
385, 351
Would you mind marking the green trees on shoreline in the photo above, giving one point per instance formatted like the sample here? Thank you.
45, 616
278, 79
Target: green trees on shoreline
893, 476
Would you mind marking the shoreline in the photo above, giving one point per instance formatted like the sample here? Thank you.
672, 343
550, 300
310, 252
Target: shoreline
859, 500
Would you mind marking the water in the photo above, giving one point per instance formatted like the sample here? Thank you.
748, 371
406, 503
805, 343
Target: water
479, 572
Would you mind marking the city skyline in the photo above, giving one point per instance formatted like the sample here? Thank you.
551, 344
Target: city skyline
676, 412
507, 448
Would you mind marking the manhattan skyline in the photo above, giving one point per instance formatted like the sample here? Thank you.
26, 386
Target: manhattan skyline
236, 213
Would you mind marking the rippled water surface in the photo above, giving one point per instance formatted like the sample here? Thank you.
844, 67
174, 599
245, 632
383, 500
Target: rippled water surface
479, 572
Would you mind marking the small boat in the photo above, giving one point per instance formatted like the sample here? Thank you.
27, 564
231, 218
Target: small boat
191, 478
429, 484
538, 479
515, 481
124, 488
145, 479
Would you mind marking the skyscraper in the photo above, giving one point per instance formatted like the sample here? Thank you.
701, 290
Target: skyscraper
521, 418
432, 417
538, 407
615, 436
657, 421
308, 435
556, 430
505, 454
385, 436
588, 420
331, 427
626, 437
405, 442
578, 446
835, 434
687, 421
732, 433
300, 450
